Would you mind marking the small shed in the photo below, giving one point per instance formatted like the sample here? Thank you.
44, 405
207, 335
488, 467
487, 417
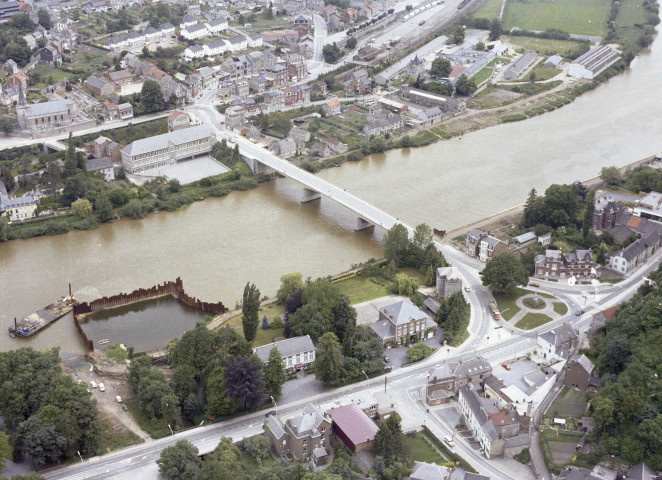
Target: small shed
553, 62
524, 238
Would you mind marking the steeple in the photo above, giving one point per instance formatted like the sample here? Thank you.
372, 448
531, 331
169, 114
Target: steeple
21, 97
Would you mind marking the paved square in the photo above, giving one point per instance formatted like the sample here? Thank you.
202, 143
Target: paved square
186, 171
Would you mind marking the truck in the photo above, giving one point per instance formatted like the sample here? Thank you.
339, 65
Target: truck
494, 308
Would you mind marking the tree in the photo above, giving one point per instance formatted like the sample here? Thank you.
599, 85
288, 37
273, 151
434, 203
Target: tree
244, 381
179, 461
530, 209
219, 402
389, 440
7, 124
351, 43
103, 208
611, 176
173, 101
174, 186
419, 352
396, 244
308, 320
496, 29
289, 283
44, 18
441, 68
4, 229
465, 86
343, 317
532, 77
151, 97
458, 35
281, 123
81, 207
442, 88
275, 373
331, 53
504, 272
269, 13
406, 285
6, 449
480, 46
328, 360
258, 447
587, 224
423, 236
249, 311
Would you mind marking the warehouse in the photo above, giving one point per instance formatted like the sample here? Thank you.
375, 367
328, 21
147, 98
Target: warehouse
593, 62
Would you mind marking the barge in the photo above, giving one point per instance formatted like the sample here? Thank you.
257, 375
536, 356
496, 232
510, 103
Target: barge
40, 319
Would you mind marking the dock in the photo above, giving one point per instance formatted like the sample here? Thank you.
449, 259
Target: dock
39, 320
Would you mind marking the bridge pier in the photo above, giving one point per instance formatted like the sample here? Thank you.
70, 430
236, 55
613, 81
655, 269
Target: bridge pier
362, 224
310, 195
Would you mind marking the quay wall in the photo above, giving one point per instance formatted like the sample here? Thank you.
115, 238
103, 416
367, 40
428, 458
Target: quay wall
176, 289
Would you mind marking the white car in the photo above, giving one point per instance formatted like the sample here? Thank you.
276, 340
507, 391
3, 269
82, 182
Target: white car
119, 399
467, 288
93, 384
102, 387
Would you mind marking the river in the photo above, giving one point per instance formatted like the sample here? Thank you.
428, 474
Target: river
218, 245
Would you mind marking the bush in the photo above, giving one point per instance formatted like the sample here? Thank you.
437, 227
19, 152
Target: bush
524, 456
419, 352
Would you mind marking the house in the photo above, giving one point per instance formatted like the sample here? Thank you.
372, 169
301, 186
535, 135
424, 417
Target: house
254, 40
100, 86
332, 107
298, 353
414, 67
627, 260
640, 471
489, 247
430, 116
367, 54
557, 343
318, 88
441, 385
549, 265
447, 282
358, 82
472, 242
579, 473
217, 25
594, 62
579, 370
102, 165
19, 208
188, 21
605, 212
401, 323
45, 116
178, 120
578, 263
97, 147
518, 67
121, 77
110, 111
299, 135
479, 422
234, 117
545, 239
50, 56
473, 371
194, 32
382, 122
11, 67
363, 399
353, 427
301, 435
429, 471
336, 145
286, 148
18, 79
649, 207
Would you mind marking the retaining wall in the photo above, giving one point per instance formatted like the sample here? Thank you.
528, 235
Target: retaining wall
176, 289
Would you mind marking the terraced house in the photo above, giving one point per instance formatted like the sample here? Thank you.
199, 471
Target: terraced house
167, 149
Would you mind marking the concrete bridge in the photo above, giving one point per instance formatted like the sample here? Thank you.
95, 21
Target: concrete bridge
314, 187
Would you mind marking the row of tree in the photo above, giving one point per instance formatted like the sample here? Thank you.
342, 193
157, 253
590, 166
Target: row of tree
453, 317
418, 251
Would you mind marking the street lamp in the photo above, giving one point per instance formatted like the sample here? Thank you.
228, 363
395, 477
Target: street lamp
275, 405
171, 432
82, 462
366, 376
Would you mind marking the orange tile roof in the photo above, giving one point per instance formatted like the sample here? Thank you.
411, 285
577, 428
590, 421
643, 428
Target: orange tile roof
634, 222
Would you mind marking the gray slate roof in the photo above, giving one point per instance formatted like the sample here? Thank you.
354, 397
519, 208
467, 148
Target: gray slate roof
583, 360
162, 141
402, 312
287, 347
95, 164
429, 471
274, 424
53, 107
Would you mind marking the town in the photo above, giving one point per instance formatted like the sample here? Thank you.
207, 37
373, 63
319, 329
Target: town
520, 346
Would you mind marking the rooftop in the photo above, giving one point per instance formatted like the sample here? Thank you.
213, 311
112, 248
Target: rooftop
162, 141
354, 423
287, 347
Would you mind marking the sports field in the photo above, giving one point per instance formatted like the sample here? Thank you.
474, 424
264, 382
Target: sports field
585, 17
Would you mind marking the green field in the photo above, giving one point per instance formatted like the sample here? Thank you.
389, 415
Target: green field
422, 451
532, 320
568, 403
489, 9
544, 73
544, 46
560, 308
588, 17
483, 75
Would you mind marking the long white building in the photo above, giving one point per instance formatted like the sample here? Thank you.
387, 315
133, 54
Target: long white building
167, 149
593, 62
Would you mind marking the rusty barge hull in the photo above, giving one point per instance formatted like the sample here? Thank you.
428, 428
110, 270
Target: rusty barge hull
35, 322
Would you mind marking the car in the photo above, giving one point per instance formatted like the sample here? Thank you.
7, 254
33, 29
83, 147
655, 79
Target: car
388, 368
480, 273
230, 140
534, 284
102, 387
272, 412
579, 313
506, 366
386, 359
93, 384
125, 408
467, 288
449, 441
118, 398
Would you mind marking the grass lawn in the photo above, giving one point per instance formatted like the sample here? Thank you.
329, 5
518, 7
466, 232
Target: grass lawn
588, 17
252, 466
544, 46
568, 403
263, 336
483, 75
560, 308
489, 9
422, 451
507, 302
544, 73
362, 289
532, 320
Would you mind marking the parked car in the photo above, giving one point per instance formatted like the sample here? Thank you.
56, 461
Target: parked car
534, 284
579, 313
449, 441
506, 366
467, 288
93, 384
118, 398
102, 387
272, 412
386, 359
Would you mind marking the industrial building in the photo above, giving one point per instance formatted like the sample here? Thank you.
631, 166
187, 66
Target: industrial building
594, 62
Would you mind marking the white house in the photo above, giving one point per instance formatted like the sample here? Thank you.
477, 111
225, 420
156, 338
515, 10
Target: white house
167, 30
628, 259
217, 47
255, 40
187, 21
195, 51
298, 353
194, 32
217, 25
238, 43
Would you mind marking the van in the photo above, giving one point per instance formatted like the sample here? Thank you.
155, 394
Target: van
102, 387
449, 441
